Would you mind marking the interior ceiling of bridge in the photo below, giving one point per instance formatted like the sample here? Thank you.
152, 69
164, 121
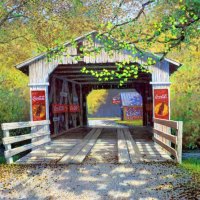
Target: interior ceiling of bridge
73, 72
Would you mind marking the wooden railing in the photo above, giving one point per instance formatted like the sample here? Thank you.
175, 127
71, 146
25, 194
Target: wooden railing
163, 136
39, 135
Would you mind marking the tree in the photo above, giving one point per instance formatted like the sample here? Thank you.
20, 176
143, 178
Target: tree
14, 96
185, 102
176, 24
95, 99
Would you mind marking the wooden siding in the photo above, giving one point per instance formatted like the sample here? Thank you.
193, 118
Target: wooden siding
40, 70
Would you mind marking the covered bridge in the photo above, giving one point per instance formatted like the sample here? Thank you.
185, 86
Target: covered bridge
58, 90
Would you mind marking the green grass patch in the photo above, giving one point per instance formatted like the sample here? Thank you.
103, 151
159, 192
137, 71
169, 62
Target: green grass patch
193, 166
3, 160
130, 123
104, 118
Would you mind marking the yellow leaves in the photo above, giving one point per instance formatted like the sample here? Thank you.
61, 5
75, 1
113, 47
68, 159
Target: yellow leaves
95, 99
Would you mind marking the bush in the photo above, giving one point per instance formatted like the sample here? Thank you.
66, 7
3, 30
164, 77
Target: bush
185, 103
95, 99
14, 96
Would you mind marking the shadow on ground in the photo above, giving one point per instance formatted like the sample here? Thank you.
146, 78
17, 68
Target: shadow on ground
101, 181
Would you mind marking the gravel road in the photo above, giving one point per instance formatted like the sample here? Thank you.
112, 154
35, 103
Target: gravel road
140, 181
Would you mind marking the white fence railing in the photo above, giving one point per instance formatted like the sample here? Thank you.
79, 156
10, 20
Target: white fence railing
39, 135
164, 137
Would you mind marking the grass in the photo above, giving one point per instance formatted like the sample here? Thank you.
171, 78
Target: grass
130, 123
193, 166
104, 118
3, 160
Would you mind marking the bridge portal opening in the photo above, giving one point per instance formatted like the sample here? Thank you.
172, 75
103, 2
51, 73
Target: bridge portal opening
116, 108
71, 105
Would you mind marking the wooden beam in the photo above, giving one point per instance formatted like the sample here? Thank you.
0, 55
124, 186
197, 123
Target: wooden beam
123, 153
87, 148
110, 82
65, 78
134, 152
19, 138
88, 67
17, 150
81, 106
166, 147
16, 125
67, 158
180, 141
167, 136
168, 123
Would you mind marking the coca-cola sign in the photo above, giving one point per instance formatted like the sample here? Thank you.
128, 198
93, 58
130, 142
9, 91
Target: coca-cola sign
73, 108
38, 105
161, 104
59, 108
163, 96
62, 108
38, 99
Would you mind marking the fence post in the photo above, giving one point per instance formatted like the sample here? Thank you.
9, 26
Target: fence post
179, 140
7, 146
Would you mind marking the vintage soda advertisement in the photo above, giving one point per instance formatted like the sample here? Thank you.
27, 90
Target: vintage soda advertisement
161, 104
73, 108
38, 105
59, 108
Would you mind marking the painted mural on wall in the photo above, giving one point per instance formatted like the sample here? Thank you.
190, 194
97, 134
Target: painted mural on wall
133, 113
132, 105
38, 105
161, 103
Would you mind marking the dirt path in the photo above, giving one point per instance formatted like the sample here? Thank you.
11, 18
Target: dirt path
105, 123
99, 181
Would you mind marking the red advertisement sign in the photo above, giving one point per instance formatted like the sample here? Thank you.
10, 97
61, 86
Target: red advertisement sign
59, 108
116, 99
161, 103
38, 105
134, 112
74, 108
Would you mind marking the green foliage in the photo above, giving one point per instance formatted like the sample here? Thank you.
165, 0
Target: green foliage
2, 159
130, 123
192, 164
14, 95
95, 99
185, 102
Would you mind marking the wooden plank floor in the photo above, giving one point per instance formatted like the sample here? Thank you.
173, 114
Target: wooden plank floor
105, 149
97, 145
57, 149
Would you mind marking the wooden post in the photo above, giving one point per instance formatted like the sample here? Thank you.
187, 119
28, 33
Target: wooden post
8, 146
65, 102
74, 95
81, 106
179, 140
54, 101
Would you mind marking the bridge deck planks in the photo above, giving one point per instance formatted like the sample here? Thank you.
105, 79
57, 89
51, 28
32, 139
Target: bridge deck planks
68, 149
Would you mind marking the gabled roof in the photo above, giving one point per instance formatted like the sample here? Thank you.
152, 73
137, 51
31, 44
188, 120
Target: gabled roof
131, 99
30, 60
43, 55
